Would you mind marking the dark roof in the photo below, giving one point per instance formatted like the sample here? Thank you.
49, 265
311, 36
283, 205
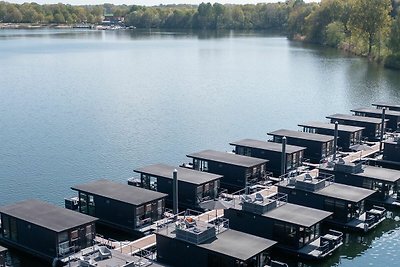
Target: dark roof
345, 192
270, 146
184, 174
46, 215
238, 245
383, 174
376, 111
301, 135
354, 118
2, 249
331, 126
228, 158
120, 192
297, 214
382, 104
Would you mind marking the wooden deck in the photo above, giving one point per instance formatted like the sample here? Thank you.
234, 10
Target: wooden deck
363, 153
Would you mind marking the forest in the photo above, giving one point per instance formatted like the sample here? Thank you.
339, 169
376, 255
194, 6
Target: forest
368, 28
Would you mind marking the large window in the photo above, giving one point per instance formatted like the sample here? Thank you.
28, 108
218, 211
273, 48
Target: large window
83, 205
149, 182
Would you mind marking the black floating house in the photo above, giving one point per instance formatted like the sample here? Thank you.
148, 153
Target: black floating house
45, 231
238, 171
3, 252
122, 207
348, 135
194, 187
195, 242
372, 126
385, 182
389, 106
393, 116
297, 229
318, 146
318, 190
272, 152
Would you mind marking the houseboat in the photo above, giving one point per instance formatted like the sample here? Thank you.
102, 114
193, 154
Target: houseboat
318, 146
238, 171
272, 152
193, 241
297, 229
392, 116
372, 126
45, 231
381, 105
347, 135
318, 190
385, 182
3, 254
122, 207
194, 187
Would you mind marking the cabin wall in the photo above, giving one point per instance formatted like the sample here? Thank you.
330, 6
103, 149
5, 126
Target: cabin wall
188, 254
32, 238
303, 198
313, 151
186, 192
274, 163
343, 140
234, 177
369, 131
249, 223
391, 152
114, 212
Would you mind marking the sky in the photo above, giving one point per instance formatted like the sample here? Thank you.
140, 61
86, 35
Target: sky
144, 2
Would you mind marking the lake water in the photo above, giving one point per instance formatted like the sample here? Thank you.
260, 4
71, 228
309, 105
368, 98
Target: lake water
81, 105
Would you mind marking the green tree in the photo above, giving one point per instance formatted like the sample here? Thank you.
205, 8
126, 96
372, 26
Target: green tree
370, 20
394, 40
334, 34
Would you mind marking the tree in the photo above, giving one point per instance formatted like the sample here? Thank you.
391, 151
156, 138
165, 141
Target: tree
371, 20
394, 40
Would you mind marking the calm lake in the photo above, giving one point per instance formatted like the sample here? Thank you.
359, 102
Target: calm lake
81, 105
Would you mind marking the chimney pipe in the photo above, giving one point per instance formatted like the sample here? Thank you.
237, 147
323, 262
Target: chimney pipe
175, 191
382, 130
283, 157
335, 140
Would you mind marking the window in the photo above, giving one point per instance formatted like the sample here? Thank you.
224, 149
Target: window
74, 235
83, 205
6, 226
91, 205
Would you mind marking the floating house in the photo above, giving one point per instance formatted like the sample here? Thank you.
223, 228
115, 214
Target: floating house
318, 190
194, 187
192, 241
3, 252
297, 229
392, 116
385, 182
272, 152
372, 126
238, 171
318, 146
123, 207
45, 231
348, 135
389, 106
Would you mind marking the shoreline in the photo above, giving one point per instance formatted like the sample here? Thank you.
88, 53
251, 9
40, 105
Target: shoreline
34, 26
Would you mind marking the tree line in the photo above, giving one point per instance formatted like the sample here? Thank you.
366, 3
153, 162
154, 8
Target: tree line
364, 27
